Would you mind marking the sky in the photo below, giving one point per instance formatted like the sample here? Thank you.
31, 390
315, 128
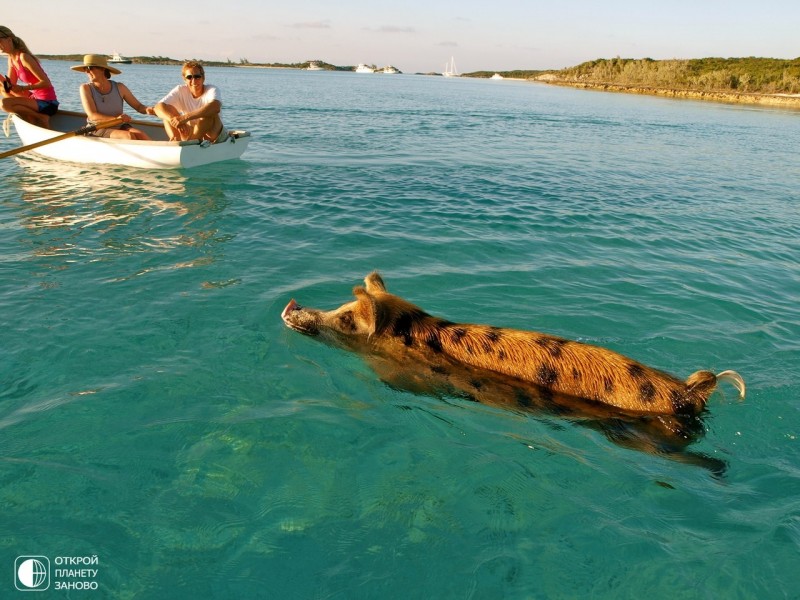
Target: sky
412, 35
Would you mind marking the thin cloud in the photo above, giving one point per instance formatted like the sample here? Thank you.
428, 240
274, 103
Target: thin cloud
326, 24
390, 29
393, 29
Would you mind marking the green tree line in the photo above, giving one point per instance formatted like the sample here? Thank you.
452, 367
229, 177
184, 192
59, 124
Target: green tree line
743, 75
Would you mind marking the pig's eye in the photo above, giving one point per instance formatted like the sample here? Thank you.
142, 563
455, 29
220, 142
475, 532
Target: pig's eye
347, 322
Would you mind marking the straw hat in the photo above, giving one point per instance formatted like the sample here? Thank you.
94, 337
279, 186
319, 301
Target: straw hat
95, 60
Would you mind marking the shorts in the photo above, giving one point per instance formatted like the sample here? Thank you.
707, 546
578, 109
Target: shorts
222, 136
106, 131
47, 107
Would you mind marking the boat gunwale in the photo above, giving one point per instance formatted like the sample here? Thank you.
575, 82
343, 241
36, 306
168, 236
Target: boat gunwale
158, 154
235, 133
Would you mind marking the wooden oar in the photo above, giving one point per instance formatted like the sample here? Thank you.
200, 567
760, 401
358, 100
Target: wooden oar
82, 131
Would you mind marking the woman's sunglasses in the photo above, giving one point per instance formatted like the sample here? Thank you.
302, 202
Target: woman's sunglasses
190, 77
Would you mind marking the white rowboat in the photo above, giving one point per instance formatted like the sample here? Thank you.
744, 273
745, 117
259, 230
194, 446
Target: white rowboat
156, 153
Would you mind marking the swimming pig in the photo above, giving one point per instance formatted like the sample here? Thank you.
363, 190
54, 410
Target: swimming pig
540, 368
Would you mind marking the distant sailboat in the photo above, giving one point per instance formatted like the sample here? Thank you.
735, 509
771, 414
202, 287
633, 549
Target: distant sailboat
450, 68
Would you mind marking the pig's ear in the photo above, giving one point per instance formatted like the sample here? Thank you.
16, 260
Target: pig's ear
366, 310
374, 282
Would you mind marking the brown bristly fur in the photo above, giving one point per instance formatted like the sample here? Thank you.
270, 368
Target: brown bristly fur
563, 366
634, 405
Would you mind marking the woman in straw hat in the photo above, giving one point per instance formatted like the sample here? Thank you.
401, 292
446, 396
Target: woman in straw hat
102, 99
26, 89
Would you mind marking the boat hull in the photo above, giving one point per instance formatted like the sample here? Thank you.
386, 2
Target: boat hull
157, 153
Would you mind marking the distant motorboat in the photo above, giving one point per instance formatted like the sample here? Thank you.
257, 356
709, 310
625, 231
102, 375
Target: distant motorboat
390, 70
312, 66
496, 76
362, 68
119, 60
450, 68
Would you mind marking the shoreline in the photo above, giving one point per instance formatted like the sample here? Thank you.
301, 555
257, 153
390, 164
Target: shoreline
754, 99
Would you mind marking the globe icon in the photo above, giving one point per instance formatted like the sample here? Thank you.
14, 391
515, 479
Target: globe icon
32, 573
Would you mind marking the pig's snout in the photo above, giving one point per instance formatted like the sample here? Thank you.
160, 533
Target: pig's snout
301, 319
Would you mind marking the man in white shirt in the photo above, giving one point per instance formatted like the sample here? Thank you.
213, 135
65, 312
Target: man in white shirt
191, 111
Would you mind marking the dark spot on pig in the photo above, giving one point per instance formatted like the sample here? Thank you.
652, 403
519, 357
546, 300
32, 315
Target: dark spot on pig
494, 335
647, 392
433, 341
458, 334
576, 374
546, 376
608, 384
552, 345
439, 370
476, 383
402, 328
501, 354
636, 371
467, 345
346, 322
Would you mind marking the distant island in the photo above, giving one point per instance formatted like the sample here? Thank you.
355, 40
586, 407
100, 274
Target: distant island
768, 81
742, 80
243, 62
751, 80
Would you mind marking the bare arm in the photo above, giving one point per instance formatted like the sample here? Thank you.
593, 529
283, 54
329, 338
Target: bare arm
161, 111
42, 80
207, 110
179, 122
132, 101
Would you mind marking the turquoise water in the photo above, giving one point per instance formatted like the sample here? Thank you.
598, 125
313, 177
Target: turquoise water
157, 414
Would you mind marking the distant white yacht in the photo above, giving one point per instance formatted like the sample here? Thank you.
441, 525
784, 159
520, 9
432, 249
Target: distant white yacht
496, 76
390, 70
119, 60
450, 68
313, 66
362, 68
